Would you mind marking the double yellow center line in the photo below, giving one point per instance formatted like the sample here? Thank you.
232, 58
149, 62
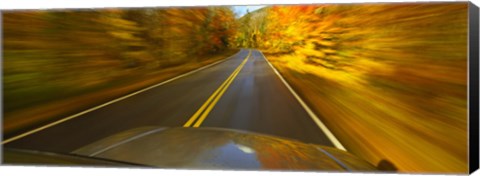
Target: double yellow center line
205, 109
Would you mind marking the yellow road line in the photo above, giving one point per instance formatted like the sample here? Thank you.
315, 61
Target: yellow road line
6, 141
199, 111
213, 99
204, 115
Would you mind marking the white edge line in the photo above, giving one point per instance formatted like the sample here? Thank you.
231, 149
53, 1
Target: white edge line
110, 102
314, 117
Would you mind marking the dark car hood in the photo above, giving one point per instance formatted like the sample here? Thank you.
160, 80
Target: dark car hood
215, 148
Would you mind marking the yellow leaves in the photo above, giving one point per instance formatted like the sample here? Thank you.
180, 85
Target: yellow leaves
368, 66
67, 48
392, 73
299, 64
123, 35
309, 52
116, 22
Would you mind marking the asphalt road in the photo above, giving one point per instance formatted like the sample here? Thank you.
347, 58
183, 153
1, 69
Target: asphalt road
243, 92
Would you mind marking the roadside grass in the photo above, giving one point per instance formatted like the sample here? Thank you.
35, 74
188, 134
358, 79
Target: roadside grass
37, 106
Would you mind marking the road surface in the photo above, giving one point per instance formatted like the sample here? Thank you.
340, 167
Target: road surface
242, 92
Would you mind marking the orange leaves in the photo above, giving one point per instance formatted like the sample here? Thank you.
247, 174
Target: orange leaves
49, 50
396, 64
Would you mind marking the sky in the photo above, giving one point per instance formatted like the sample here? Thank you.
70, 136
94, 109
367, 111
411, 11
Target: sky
242, 10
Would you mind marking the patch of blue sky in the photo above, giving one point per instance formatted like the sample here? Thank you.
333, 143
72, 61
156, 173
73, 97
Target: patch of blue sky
242, 10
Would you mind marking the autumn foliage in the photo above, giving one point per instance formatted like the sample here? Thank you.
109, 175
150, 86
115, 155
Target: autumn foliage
60, 62
390, 80
54, 54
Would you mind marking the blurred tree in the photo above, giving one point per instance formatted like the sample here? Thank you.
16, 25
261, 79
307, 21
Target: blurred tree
51, 54
374, 67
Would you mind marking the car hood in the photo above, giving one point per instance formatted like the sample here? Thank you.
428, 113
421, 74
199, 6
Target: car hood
215, 148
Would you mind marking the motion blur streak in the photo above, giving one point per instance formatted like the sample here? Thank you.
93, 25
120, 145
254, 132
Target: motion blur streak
389, 80
52, 57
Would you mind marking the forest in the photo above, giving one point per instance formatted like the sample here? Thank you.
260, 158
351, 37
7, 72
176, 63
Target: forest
55, 55
381, 76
